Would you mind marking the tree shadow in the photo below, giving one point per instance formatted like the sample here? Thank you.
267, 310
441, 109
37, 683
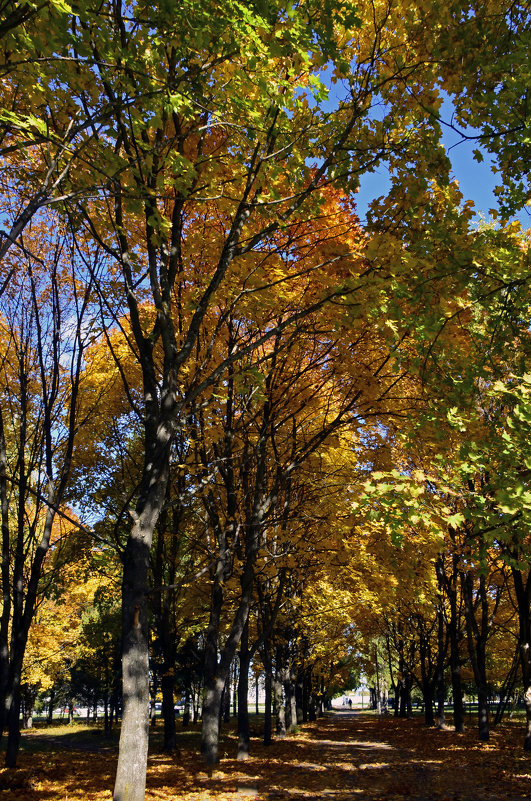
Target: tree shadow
354, 758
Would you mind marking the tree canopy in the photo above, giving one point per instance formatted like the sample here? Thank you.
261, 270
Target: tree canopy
296, 442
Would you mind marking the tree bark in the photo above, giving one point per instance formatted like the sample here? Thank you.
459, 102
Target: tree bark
477, 636
268, 689
49, 716
217, 671
427, 697
13, 729
299, 698
523, 599
455, 656
168, 710
210, 719
289, 700
244, 731
279, 702
132, 757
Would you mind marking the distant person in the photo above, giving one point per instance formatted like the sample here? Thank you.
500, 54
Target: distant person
350, 702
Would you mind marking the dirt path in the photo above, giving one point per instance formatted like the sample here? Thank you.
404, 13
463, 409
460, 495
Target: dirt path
351, 757
345, 757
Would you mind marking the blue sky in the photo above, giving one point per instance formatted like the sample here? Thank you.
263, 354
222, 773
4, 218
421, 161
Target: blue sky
476, 181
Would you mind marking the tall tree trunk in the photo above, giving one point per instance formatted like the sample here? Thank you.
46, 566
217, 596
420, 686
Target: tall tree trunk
186, 710
523, 599
244, 732
216, 671
268, 700
457, 688
427, 697
428, 671
483, 712
299, 697
278, 697
214, 683
210, 719
477, 636
442, 643
130, 780
235, 681
106, 723
451, 584
168, 711
289, 700
455, 656
225, 701
196, 702
306, 694
51, 702
13, 729
439, 676
4, 575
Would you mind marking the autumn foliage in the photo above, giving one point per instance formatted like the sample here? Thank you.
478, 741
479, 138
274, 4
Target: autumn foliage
249, 440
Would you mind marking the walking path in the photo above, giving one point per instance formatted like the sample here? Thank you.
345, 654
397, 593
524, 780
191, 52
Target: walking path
352, 757
344, 757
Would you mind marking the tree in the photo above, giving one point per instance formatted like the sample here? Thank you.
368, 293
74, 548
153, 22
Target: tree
57, 635
458, 483
43, 337
47, 129
230, 109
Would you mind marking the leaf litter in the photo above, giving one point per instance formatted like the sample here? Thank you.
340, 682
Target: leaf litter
342, 757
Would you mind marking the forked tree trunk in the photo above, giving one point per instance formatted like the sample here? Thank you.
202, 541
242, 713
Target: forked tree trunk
217, 671
477, 636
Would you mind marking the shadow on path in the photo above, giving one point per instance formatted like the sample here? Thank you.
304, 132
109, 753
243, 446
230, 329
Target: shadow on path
349, 756
344, 757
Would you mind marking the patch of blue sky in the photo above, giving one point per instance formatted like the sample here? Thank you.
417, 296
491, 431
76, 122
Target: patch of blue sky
477, 180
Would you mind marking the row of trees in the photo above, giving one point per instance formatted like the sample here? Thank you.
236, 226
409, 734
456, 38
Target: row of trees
205, 357
458, 495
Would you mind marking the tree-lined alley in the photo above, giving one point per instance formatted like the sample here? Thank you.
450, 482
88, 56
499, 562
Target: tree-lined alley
294, 444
